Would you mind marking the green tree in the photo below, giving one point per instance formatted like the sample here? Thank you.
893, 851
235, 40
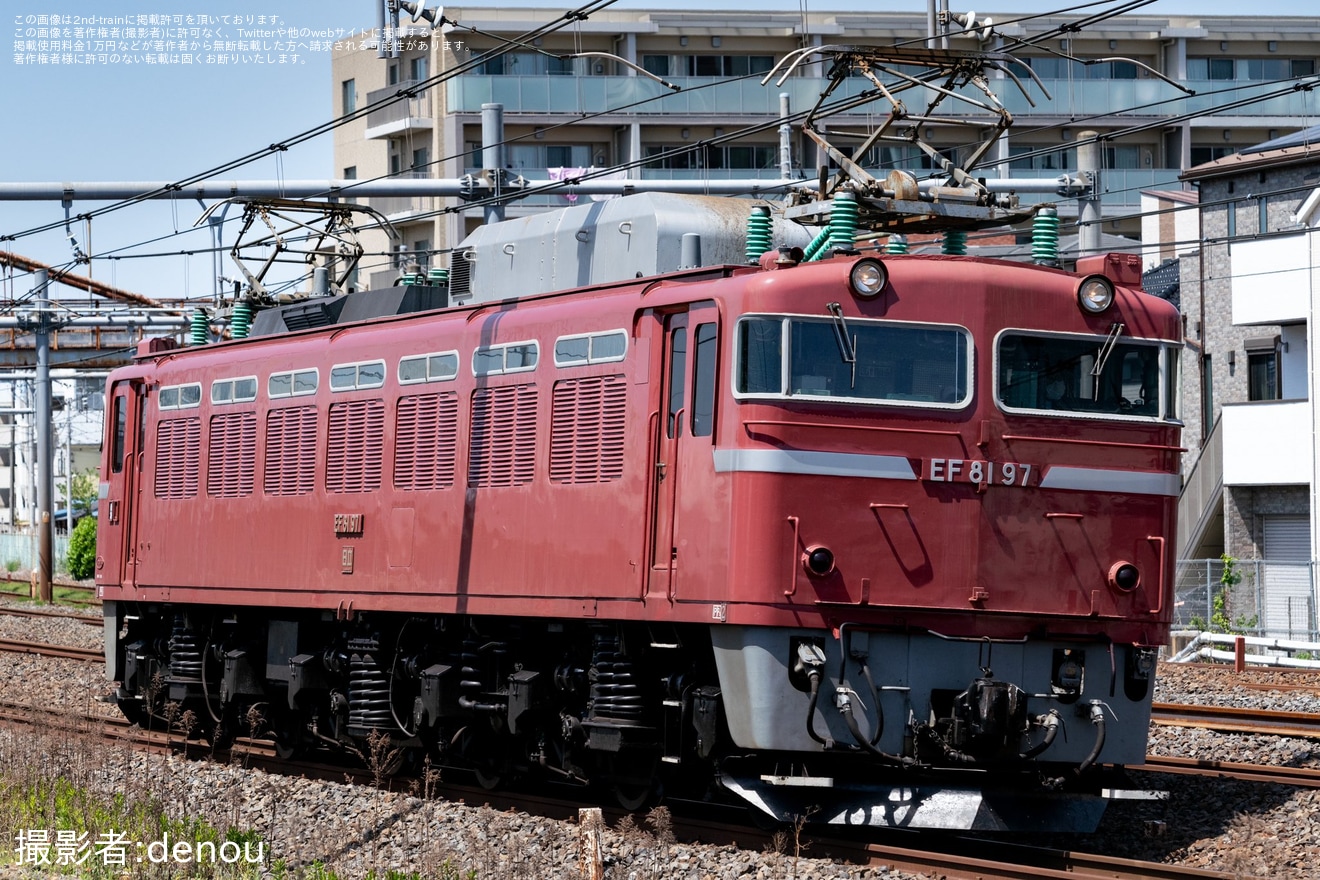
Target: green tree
82, 549
86, 487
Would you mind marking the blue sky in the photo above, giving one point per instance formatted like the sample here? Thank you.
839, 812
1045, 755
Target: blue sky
149, 122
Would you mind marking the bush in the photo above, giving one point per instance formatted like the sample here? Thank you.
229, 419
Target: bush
82, 549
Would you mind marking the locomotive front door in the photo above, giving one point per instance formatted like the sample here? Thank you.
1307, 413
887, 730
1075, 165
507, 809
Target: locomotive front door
681, 526
116, 561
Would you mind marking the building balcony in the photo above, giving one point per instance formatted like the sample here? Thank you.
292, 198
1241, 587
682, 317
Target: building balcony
717, 97
1267, 443
406, 114
1271, 279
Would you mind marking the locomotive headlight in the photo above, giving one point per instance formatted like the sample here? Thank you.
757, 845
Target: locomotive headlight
819, 560
1124, 576
867, 278
1095, 294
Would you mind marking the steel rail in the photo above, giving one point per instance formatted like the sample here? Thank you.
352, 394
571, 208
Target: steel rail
13, 611
1303, 777
1235, 720
87, 655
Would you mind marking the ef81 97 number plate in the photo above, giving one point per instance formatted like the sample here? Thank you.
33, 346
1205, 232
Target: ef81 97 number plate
991, 473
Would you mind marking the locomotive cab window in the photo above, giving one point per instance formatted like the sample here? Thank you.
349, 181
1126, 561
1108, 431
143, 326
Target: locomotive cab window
121, 427
853, 360
1089, 376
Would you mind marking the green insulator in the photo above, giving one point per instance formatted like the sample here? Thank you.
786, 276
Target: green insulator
897, 244
1045, 237
437, 277
817, 245
241, 323
955, 242
843, 221
199, 332
759, 239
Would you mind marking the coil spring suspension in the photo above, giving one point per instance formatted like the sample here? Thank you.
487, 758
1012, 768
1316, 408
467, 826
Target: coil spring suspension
368, 689
614, 689
185, 653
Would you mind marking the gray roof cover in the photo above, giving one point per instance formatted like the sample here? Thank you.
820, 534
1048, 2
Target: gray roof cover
1296, 139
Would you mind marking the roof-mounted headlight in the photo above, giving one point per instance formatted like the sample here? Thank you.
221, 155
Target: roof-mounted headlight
867, 278
1095, 294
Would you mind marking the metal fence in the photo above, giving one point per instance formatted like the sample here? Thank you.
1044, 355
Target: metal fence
1275, 599
18, 551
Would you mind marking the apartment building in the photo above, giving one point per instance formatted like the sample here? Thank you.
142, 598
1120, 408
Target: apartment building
569, 103
1248, 299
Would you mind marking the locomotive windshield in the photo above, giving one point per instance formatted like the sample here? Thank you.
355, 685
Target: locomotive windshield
891, 362
1088, 375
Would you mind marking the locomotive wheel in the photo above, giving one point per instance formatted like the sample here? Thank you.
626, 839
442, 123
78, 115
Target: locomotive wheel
488, 778
635, 783
481, 752
634, 796
288, 744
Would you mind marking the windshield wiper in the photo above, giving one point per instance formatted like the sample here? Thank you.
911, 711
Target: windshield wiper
1106, 349
846, 341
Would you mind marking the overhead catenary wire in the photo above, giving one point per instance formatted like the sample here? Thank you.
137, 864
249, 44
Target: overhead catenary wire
578, 14
703, 145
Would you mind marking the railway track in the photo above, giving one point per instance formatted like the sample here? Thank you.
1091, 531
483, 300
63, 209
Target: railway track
952, 858
1276, 678
1234, 720
1304, 777
18, 611
87, 655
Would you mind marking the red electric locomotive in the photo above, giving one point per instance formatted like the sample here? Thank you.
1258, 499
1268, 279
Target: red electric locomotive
881, 538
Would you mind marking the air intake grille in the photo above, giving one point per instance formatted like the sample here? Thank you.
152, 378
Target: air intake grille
356, 446
586, 435
232, 460
460, 275
425, 441
503, 443
290, 451
178, 457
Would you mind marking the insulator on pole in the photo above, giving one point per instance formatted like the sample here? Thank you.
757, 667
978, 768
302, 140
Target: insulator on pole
955, 242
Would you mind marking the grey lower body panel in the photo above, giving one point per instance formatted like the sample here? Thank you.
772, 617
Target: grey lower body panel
931, 806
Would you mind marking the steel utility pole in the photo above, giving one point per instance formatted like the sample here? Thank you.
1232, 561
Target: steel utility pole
492, 155
40, 324
1088, 206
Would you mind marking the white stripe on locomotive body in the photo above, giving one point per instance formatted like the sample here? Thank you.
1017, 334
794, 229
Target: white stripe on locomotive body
1111, 480
896, 467
801, 461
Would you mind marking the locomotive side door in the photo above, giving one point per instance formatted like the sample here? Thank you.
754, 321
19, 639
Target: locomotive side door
682, 518
125, 416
